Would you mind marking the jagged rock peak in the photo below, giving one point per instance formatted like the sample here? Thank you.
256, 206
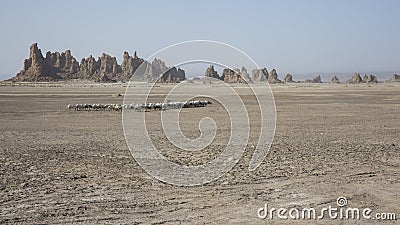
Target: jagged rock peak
233, 76
316, 79
211, 72
355, 79
130, 64
394, 78
35, 52
370, 79
63, 66
245, 75
335, 80
259, 75
54, 67
273, 77
173, 75
288, 78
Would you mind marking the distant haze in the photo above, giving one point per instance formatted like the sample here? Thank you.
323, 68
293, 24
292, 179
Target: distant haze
304, 38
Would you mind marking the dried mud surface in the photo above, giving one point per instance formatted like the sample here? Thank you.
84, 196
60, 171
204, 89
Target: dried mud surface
60, 166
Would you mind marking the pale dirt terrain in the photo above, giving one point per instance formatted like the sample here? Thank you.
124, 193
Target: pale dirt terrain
60, 166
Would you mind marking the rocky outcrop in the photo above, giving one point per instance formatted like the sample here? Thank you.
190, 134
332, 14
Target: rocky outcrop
158, 67
130, 64
288, 78
356, 79
55, 66
245, 75
63, 66
395, 78
211, 72
259, 75
229, 76
109, 66
316, 79
370, 79
157, 71
273, 77
232, 76
173, 75
88, 69
335, 80
98, 70
34, 66
235, 76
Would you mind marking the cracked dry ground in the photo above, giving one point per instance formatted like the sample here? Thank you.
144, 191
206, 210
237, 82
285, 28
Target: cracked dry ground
60, 166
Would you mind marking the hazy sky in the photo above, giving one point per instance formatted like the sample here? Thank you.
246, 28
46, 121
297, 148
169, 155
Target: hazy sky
293, 36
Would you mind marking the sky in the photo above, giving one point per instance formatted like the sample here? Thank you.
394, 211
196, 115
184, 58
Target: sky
297, 37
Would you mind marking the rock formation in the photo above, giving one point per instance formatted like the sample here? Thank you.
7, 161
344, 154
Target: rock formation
232, 76
316, 79
370, 79
55, 66
172, 75
365, 78
159, 72
130, 64
335, 80
288, 78
63, 66
356, 79
273, 77
158, 67
245, 75
259, 75
34, 66
394, 78
88, 69
211, 72
109, 65
104, 69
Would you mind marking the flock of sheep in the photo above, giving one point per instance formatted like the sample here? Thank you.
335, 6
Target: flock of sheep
139, 106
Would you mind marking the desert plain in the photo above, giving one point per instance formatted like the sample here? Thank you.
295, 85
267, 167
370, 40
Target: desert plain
62, 166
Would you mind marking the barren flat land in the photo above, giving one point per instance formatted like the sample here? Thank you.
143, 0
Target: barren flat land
62, 166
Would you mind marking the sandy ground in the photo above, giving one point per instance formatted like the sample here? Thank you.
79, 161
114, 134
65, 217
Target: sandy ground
60, 166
